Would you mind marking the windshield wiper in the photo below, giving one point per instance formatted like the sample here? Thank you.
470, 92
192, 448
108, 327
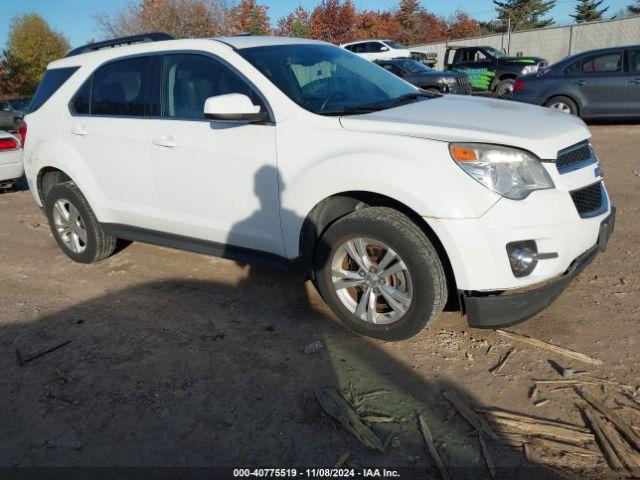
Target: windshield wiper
378, 106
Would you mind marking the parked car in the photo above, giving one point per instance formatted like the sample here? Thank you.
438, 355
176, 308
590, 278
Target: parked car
387, 50
595, 84
427, 78
21, 105
11, 168
297, 153
9, 118
490, 69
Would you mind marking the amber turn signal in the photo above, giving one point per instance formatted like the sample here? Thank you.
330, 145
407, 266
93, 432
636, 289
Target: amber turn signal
463, 154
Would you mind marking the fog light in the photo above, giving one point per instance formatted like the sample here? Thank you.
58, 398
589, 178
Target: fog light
523, 257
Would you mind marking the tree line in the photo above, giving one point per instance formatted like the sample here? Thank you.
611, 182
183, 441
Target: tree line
32, 43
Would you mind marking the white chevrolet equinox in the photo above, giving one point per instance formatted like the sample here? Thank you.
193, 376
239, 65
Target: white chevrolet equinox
394, 202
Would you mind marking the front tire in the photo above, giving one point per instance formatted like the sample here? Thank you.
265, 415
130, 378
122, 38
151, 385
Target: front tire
75, 226
380, 274
505, 88
562, 104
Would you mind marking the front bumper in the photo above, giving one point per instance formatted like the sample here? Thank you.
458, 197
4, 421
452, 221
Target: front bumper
494, 310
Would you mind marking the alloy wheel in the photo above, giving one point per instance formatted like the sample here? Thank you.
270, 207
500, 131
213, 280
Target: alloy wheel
70, 226
561, 107
371, 281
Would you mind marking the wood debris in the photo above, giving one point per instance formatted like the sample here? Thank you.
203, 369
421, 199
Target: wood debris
541, 402
630, 435
503, 361
487, 456
433, 451
550, 347
344, 458
469, 415
338, 408
604, 440
515, 423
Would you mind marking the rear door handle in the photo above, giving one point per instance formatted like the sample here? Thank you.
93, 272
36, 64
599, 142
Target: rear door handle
580, 82
167, 142
80, 131
635, 81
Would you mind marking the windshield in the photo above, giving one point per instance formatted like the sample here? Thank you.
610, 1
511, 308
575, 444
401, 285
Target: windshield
413, 66
328, 80
396, 45
495, 53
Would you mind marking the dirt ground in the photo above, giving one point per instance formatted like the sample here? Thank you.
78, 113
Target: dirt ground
177, 359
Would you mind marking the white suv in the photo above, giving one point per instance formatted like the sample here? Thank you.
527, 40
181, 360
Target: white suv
378, 49
298, 153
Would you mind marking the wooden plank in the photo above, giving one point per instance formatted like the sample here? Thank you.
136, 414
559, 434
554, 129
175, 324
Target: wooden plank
338, 408
546, 430
537, 420
487, 456
428, 438
630, 435
344, 458
562, 447
607, 449
549, 347
469, 415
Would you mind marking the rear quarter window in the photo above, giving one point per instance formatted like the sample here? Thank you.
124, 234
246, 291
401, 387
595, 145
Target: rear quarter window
51, 82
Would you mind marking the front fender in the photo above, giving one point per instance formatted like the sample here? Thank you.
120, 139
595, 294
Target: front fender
416, 172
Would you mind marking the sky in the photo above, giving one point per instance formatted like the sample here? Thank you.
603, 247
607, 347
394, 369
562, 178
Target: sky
74, 18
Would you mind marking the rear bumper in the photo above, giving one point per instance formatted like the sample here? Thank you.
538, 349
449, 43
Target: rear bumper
11, 171
494, 310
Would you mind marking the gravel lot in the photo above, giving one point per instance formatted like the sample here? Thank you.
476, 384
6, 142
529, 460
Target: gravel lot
178, 359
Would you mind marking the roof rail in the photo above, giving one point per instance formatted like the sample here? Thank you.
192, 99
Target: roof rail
143, 38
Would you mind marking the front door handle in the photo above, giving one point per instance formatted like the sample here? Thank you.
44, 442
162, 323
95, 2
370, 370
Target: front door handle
580, 82
167, 142
80, 131
635, 81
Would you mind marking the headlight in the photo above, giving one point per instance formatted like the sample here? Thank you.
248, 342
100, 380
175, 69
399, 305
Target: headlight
530, 69
511, 172
449, 80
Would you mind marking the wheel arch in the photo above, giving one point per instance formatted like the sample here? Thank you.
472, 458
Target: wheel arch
329, 210
48, 177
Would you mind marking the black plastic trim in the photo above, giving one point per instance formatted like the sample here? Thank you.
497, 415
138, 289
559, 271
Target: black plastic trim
496, 311
196, 245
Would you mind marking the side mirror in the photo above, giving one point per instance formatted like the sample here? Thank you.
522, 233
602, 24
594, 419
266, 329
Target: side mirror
233, 107
384, 49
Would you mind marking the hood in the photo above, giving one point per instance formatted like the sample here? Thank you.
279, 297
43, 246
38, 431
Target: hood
457, 118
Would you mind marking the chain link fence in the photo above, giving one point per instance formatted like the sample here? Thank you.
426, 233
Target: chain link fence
554, 43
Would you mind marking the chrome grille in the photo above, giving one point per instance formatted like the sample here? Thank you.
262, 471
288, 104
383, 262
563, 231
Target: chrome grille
576, 157
463, 81
590, 201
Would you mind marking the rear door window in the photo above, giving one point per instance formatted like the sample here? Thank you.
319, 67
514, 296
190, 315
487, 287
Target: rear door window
118, 88
607, 63
51, 82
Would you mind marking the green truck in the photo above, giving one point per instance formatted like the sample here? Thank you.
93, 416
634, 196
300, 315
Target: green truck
489, 69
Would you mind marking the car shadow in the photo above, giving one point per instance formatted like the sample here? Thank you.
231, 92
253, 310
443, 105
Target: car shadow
201, 374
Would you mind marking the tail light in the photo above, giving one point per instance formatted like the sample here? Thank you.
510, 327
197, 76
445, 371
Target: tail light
8, 144
22, 133
519, 85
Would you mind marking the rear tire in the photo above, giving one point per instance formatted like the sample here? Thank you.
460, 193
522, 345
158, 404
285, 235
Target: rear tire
562, 104
394, 301
75, 226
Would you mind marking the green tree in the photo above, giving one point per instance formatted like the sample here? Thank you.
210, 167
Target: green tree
296, 24
31, 46
635, 9
524, 14
587, 11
